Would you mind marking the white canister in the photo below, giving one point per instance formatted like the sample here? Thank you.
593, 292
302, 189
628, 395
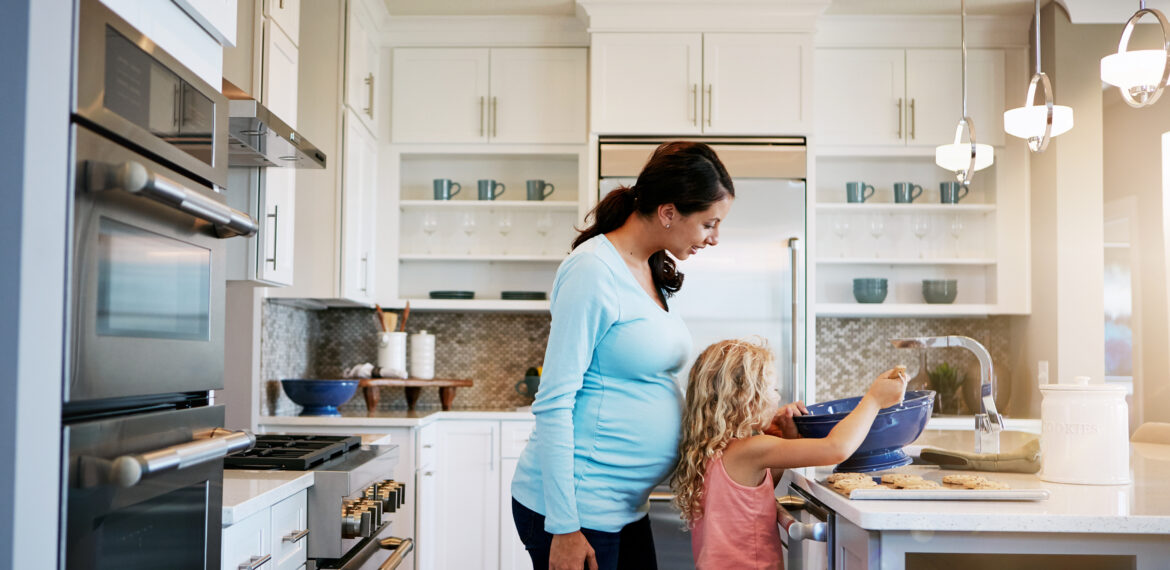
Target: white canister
392, 354
422, 355
1084, 436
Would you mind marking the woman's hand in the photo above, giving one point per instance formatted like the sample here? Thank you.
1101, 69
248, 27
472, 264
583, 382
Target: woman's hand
782, 425
571, 552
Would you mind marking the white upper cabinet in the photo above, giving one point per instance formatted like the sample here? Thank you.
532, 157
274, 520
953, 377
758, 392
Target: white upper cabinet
362, 64
440, 95
287, 15
538, 95
477, 95
278, 199
906, 97
280, 74
934, 84
359, 194
646, 83
751, 83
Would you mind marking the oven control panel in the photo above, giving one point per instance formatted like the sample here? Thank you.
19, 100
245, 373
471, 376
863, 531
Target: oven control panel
361, 516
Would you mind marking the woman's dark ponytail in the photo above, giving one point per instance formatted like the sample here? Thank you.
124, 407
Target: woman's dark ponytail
686, 174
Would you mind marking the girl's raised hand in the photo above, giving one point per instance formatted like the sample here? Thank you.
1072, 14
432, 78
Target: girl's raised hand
889, 387
782, 425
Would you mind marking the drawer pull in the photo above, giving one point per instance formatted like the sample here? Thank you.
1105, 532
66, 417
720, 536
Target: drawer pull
256, 562
295, 537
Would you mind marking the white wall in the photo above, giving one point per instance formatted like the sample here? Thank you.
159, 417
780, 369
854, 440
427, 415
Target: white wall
1133, 173
35, 44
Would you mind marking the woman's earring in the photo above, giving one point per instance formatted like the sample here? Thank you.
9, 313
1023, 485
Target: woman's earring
668, 226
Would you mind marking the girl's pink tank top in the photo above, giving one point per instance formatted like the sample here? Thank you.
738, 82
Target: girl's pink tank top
738, 527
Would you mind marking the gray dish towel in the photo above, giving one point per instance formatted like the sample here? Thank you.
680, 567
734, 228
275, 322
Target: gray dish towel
1025, 459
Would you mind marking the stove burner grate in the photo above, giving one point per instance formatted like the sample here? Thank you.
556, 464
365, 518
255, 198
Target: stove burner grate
291, 452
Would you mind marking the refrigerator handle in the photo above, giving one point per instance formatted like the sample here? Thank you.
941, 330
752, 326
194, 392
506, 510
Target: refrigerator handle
794, 249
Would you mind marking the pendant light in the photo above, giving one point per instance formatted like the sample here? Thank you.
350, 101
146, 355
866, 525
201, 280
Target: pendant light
1038, 123
1141, 75
964, 158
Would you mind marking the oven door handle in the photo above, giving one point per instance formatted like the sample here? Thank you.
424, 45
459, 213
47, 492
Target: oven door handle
818, 531
400, 546
209, 445
133, 177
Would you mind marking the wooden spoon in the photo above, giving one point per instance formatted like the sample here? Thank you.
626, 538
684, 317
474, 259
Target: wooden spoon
405, 315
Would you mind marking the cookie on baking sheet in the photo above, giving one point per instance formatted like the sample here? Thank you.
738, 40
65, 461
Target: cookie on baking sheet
963, 480
898, 478
847, 485
988, 484
919, 485
842, 476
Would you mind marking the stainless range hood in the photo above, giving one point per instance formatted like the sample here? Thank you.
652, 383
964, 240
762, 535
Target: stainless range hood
258, 138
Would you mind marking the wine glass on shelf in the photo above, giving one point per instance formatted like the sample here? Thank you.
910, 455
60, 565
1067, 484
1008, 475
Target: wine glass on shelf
469, 228
920, 224
504, 225
430, 224
956, 230
543, 225
877, 225
841, 229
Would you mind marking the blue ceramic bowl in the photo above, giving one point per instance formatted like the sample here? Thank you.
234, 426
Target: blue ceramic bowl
893, 428
319, 397
870, 290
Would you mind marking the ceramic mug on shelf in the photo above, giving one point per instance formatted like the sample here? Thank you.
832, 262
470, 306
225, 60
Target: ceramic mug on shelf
951, 192
536, 189
446, 189
856, 192
904, 192
487, 189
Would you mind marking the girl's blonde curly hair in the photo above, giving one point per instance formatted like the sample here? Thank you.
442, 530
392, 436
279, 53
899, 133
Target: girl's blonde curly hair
730, 394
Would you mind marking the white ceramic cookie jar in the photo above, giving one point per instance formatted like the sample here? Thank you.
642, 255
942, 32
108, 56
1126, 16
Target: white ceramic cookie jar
1084, 436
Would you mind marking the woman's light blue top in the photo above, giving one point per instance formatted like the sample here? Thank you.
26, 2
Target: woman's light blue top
609, 407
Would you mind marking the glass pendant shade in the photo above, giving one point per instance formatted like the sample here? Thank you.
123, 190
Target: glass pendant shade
1028, 122
1141, 75
957, 157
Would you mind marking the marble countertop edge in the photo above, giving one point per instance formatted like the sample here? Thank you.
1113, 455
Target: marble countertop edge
247, 492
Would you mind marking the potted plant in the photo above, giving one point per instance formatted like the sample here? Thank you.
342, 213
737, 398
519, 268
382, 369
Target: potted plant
947, 382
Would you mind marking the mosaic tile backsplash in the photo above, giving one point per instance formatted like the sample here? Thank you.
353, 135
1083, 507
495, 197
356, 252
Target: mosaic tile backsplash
494, 350
491, 349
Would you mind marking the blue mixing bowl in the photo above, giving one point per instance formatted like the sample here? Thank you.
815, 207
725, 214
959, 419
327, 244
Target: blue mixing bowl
319, 397
893, 428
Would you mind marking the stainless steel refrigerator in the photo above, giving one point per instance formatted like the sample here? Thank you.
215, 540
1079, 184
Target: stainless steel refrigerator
752, 283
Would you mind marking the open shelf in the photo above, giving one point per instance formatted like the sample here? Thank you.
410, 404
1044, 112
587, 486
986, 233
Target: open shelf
478, 257
901, 310
885, 207
473, 305
487, 204
904, 261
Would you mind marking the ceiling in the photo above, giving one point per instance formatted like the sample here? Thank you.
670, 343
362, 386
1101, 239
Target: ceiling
568, 7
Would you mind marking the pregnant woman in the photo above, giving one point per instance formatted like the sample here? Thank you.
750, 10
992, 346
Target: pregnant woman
609, 408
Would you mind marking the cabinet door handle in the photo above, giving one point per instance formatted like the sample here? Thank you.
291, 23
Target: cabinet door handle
899, 105
370, 88
275, 225
255, 562
365, 272
913, 120
710, 107
694, 116
295, 537
495, 116
481, 115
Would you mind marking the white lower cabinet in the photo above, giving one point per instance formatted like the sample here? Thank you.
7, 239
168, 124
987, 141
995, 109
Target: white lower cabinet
273, 538
467, 498
513, 437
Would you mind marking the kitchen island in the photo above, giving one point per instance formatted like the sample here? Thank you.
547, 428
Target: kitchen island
1104, 526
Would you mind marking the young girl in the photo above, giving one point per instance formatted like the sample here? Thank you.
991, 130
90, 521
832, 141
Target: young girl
724, 483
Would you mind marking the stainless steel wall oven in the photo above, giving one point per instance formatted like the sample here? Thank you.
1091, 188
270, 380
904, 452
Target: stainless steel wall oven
143, 473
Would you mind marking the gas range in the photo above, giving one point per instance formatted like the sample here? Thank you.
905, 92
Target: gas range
352, 502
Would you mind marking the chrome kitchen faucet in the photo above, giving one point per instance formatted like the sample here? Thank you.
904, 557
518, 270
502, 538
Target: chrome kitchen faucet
988, 422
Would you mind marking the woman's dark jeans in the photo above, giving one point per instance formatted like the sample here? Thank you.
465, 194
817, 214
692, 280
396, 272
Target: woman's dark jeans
630, 549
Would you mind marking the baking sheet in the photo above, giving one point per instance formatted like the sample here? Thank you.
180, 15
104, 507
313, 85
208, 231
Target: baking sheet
947, 492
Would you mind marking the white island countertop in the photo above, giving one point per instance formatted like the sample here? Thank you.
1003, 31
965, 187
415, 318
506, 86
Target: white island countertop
1141, 507
246, 492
